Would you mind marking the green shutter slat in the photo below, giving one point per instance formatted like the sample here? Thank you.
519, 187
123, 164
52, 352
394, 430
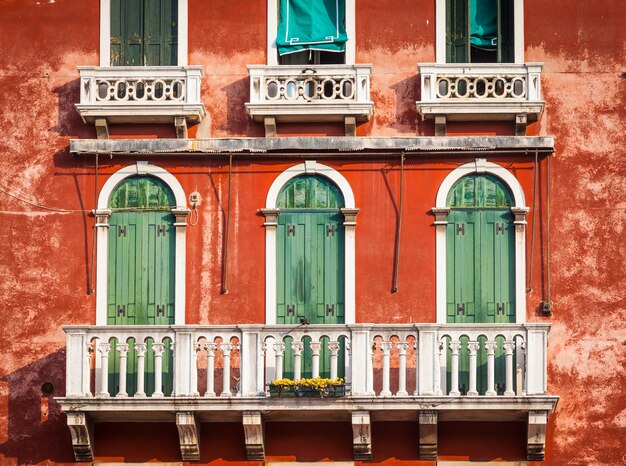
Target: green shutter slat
457, 31
506, 31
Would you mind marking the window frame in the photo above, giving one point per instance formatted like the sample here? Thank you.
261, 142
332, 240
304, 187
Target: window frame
272, 29
105, 33
440, 32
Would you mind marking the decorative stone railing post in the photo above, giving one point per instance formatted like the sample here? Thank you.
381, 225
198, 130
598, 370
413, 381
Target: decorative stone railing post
158, 349
509, 346
385, 346
78, 360
250, 370
428, 370
472, 346
140, 349
402, 347
316, 347
359, 354
122, 349
455, 347
536, 358
491, 351
279, 351
184, 352
334, 348
297, 348
104, 349
210, 348
226, 349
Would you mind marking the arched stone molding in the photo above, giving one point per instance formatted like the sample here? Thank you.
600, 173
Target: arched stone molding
271, 212
103, 213
480, 166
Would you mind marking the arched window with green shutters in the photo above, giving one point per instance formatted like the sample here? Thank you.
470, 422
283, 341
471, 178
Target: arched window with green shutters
141, 266
310, 260
480, 267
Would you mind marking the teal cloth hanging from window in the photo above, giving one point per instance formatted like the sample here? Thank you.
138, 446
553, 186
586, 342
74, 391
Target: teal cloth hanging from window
311, 25
484, 24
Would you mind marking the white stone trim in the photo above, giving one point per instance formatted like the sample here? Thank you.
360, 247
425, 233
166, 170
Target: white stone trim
482, 166
105, 32
440, 30
272, 28
310, 167
102, 242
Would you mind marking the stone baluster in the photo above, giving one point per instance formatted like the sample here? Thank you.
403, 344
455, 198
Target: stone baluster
491, 368
297, 347
455, 347
370, 370
402, 347
104, 349
386, 347
416, 346
159, 349
279, 351
334, 348
226, 349
210, 369
194, 370
87, 370
141, 349
316, 347
122, 349
473, 347
438, 390
508, 349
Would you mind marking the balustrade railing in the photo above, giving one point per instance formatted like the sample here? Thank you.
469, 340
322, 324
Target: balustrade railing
376, 360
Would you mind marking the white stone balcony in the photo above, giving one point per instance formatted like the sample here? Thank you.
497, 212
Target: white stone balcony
310, 93
223, 372
140, 94
480, 91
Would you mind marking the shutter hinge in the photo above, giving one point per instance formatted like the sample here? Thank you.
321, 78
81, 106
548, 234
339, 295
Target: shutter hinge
121, 311
500, 228
330, 309
291, 230
330, 230
499, 308
460, 228
160, 310
121, 230
291, 309
460, 309
160, 230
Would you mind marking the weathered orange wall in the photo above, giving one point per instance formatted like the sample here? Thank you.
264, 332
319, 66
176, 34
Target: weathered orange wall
46, 256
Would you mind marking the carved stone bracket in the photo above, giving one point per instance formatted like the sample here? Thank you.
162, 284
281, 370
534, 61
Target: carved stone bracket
180, 123
81, 429
361, 435
270, 127
180, 216
441, 215
537, 422
350, 126
102, 128
520, 217
428, 435
271, 217
189, 435
253, 432
349, 216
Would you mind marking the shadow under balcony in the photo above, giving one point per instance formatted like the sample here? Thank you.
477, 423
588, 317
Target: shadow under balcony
190, 374
310, 93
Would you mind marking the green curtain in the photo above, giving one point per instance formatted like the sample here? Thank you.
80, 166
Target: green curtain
311, 25
484, 24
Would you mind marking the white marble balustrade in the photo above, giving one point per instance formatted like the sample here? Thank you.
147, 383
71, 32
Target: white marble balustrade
378, 360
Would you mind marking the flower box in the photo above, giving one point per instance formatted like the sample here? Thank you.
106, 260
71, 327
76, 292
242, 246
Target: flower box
307, 388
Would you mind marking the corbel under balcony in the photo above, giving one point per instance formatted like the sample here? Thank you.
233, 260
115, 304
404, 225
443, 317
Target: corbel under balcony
140, 94
310, 93
480, 92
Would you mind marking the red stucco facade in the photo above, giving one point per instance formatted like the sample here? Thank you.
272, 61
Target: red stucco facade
47, 270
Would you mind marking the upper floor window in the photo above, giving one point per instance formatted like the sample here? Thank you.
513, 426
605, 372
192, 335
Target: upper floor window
143, 32
480, 31
310, 32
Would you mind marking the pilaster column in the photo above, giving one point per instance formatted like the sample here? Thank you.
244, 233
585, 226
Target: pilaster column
102, 247
349, 224
270, 224
180, 224
440, 223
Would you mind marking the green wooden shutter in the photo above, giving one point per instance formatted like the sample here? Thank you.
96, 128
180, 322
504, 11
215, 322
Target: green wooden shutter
506, 31
461, 268
457, 31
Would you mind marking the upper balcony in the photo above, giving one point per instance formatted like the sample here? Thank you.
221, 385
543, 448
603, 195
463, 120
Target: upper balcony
140, 94
480, 91
310, 93
191, 374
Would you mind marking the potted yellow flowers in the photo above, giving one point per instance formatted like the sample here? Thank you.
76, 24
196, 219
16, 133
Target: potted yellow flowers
316, 387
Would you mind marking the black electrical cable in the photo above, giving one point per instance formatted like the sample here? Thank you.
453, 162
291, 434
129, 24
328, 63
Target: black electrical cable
396, 262
226, 233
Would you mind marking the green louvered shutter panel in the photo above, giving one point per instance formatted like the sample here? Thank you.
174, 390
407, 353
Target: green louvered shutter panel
506, 31
144, 32
327, 253
457, 31
291, 271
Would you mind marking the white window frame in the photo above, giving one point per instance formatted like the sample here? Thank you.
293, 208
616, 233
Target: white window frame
440, 30
311, 167
480, 166
272, 29
105, 32
103, 212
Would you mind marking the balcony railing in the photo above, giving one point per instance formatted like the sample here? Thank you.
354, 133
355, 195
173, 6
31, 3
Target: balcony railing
379, 361
310, 93
481, 91
140, 94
